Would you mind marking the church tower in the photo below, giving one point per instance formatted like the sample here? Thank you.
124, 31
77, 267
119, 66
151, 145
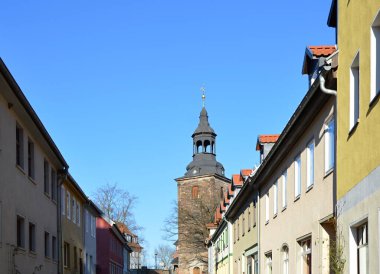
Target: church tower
200, 190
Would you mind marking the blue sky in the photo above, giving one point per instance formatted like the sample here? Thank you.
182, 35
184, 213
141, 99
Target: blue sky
117, 83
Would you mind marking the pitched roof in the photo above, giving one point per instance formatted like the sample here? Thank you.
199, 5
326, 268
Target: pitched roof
314, 53
237, 180
124, 229
245, 172
265, 139
322, 51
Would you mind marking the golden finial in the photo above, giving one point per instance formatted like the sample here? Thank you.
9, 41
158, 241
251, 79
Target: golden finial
203, 95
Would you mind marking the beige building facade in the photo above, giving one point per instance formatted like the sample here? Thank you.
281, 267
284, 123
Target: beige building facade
30, 165
296, 185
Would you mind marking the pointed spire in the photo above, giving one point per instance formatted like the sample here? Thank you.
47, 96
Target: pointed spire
204, 125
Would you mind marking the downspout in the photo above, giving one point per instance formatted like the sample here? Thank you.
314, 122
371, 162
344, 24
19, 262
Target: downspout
322, 82
326, 68
62, 175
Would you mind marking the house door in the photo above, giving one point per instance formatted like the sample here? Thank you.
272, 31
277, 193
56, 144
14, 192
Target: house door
196, 270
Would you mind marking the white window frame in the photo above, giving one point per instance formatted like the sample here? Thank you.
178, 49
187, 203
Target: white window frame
375, 57
354, 246
285, 259
329, 145
68, 204
268, 263
355, 91
297, 177
275, 198
74, 210
63, 200
267, 207
78, 213
310, 156
284, 189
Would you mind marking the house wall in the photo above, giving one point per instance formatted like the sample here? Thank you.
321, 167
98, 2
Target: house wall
243, 242
22, 195
72, 230
106, 240
90, 241
302, 217
358, 156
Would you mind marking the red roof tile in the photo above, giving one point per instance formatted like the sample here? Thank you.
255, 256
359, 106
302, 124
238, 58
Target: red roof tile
319, 51
230, 191
266, 138
226, 199
246, 172
222, 207
237, 180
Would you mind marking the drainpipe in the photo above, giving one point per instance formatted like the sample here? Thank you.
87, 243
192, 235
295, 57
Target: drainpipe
62, 175
326, 67
322, 82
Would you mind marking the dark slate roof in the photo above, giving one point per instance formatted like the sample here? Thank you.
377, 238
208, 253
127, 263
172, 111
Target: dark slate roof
203, 126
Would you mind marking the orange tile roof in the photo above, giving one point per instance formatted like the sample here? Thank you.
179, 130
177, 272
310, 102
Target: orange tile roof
246, 172
266, 138
226, 199
230, 191
124, 229
237, 180
222, 206
319, 51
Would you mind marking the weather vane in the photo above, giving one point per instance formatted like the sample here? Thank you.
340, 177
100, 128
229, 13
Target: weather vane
203, 95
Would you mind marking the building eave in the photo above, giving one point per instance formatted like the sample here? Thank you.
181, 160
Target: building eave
30, 111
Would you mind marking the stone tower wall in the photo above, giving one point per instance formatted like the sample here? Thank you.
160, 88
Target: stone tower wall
210, 190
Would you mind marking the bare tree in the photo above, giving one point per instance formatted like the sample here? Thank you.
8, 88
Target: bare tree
164, 256
188, 225
117, 204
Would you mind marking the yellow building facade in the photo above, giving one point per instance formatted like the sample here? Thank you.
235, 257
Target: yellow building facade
358, 132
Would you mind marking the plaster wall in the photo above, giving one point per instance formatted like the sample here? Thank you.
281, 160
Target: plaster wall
302, 216
22, 195
361, 204
356, 153
72, 233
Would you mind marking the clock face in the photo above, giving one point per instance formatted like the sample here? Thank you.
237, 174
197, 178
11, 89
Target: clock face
194, 171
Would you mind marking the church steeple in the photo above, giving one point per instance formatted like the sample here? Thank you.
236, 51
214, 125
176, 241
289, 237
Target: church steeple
204, 149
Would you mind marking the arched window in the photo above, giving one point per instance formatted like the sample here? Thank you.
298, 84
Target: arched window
285, 260
199, 146
196, 270
207, 146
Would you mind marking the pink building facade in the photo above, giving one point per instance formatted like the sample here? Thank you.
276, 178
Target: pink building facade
110, 245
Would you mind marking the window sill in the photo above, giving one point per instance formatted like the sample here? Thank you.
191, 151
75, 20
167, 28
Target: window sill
32, 254
32, 180
267, 222
297, 198
21, 250
328, 172
20, 169
353, 129
283, 209
310, 187
274, 216
374, 100
47, 195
